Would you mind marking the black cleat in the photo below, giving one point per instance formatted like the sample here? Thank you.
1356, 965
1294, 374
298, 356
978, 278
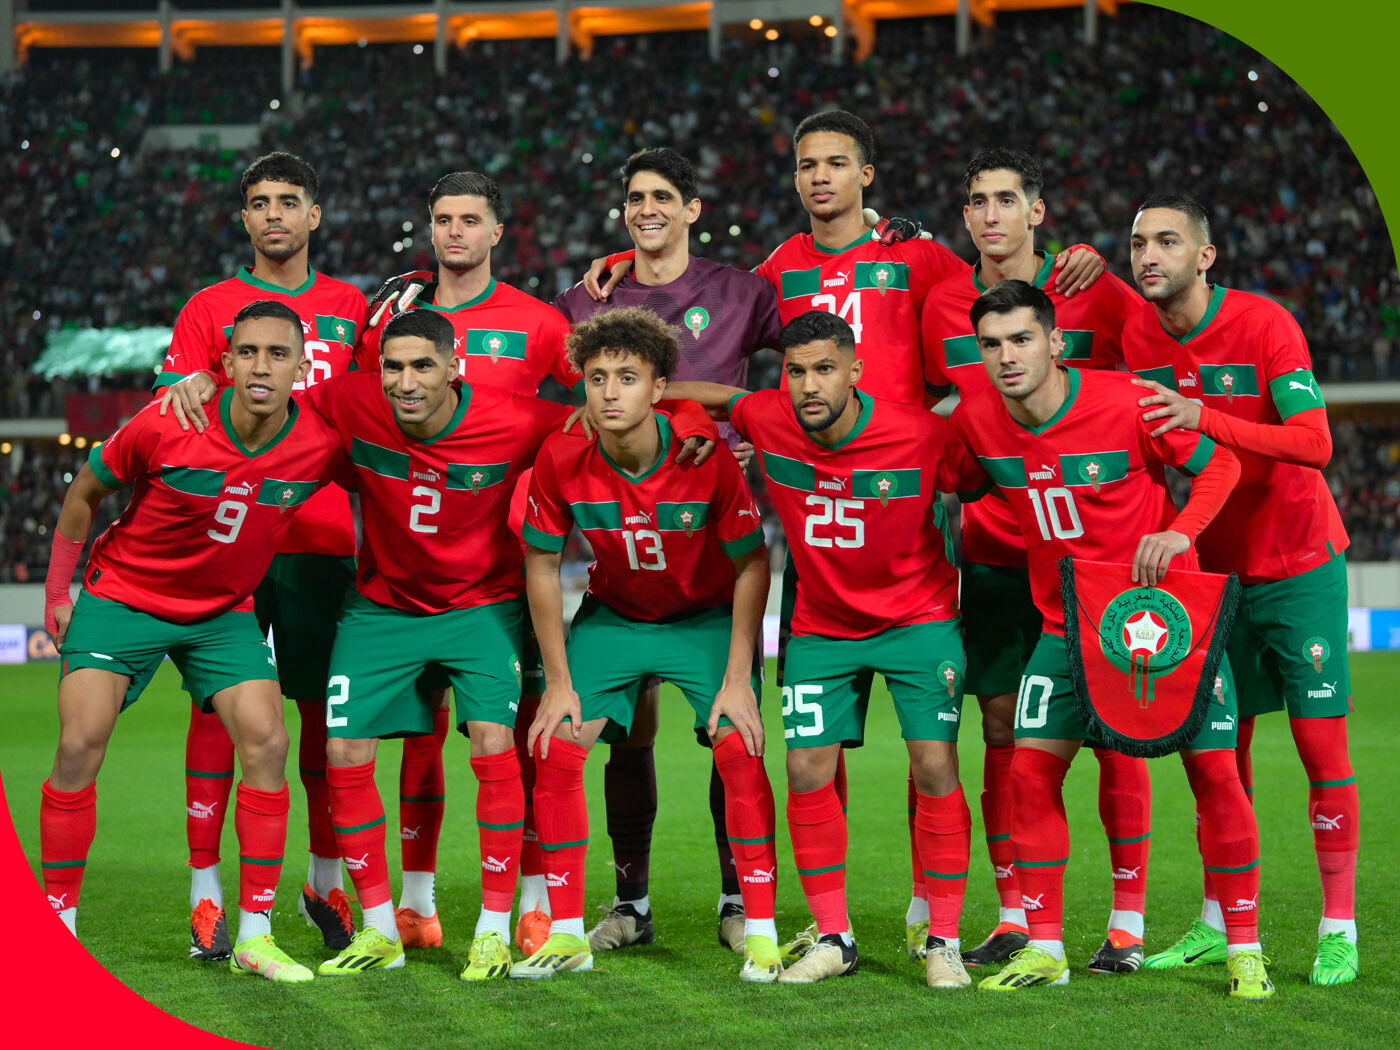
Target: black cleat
997, 948
1111, 958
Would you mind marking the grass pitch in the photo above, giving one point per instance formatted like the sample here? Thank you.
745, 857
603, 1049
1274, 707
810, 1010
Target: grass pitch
684, 987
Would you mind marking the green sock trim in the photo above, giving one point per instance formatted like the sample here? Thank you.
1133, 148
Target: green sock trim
821, 871
206, 775
950, 876
1135, 838
1045, 863
357, 827
50, 865
550, 847
999, 838
1332, 783
311, 772
752, 842
1235, 871
500, 827
422, 798
261, 861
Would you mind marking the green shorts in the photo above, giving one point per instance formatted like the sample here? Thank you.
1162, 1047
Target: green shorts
1289, 644
827, 689
212, 654
1001, 626
377, 685
611, 657
300, 600
1046, 707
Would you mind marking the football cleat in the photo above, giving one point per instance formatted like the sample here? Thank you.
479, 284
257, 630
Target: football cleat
489, 958
368, 950
531, 931
562, 953
261, 957
1119, 953
1004, 942
1248, 978
418, 931
798, 946
731, 926
829, 957
209, 932
622, 925
1028, 968
1199, 945
916, 939
762, 963
331, 916
1337, 961
943, 965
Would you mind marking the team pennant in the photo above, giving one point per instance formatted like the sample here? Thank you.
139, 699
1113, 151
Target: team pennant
1143, 660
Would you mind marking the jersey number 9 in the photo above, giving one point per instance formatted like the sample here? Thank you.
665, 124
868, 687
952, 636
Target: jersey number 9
230, 514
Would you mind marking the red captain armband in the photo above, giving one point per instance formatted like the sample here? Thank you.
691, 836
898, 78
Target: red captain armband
630, 255
689, 420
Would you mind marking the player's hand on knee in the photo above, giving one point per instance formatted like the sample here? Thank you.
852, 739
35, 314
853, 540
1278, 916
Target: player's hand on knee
1155, 552
187, 398
699, 448
736, 702
397, 294
556, 705
1076, 269
1175, 410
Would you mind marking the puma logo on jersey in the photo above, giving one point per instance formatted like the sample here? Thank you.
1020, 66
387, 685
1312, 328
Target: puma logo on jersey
552, 879
357, 863
201, 810
492, 864
57, 902
427, 475
837, 281
1244, 904
1307, 387
1032, 903
1045, 473
1003, 871
1189, 379
535, 507
408, 834
1126, 873
748, 512
835, 484
239, 490
1322, 823
759, 875
642, 518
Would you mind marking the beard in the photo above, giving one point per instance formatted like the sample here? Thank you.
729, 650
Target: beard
833, 413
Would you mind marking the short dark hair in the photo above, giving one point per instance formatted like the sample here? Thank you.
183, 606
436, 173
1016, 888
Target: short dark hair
423, 324
260, 308
1005, 296
667, 163
841, 123
813, 327
469, 184
279, 167
1188, 206
1003, 158
633, 330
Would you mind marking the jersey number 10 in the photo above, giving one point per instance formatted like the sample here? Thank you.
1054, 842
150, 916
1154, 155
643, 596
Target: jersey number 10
1056, 514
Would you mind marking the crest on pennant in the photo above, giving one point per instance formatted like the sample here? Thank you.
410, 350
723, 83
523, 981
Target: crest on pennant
697, 319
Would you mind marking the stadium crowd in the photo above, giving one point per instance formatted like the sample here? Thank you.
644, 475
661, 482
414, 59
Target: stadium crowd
1294, 215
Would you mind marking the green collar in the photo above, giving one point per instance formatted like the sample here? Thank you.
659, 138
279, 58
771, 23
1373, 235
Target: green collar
837, 251
1059, 412
867, 406
464, 397
1047, 266
636, 479
1217, 296
486, 293
226, 402
246, 276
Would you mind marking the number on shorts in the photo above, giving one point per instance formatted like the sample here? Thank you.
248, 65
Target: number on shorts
656, 557
419, 511
795, 703
337, 692
1035, 688
1065, 525
834, 511
230, 514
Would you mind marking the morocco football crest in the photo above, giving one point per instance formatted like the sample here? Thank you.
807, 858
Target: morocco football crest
1144, 660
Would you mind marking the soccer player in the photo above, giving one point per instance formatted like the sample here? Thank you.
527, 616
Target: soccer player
856, 481
301, 597
726, 315
1037, 432
437, 589
175, 574
677, 590
1000, 622
1236, 368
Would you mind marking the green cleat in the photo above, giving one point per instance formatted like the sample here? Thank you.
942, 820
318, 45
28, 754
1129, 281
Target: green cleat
489, 958
1336, 962
762, 962
1201, 944
1028, 968
562, 953
916, 939
260, 957
368, 950
1248, 978
798, 946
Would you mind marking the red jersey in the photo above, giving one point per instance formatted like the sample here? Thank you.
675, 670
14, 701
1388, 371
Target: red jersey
879, 290
864, 522
206, 515
1088, 483
1092, 323
662, 542
1247, 357
332, 319
435, 530
504, 338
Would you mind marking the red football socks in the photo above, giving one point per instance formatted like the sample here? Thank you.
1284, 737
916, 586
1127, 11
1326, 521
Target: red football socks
1333, 809
817, 825
750, 819
531, 858
311, 762
500, 816
1125, 806
943, 825
67, 824
1244, 737
208, 781
1040, 835
422, 795
1229, 840
561, 819
260, 818
357, 815
996, 818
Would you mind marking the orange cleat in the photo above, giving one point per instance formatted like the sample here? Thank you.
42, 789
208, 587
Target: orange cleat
418, 931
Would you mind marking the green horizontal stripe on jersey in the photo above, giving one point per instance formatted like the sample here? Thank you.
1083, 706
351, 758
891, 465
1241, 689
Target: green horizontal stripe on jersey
796, 283
1205, 449
738, 548
500, 827
752, 842
1042, 863
1230, 380
948, 875
205, 774
357, 827
670, 517
276, 493
961, 350
1163, 375
1295, 392
262, 862
1007, 471
882, 276
1134, 838
821, 871
377, 459
1332, 783
103, 472
1235, 871
790, 473
1093, 468
422, 798
1079, 344
550, 847
341, 329
476, 476
495, 343
605, 515
52, 865
543, 540
194, 481
999, 838
886, 485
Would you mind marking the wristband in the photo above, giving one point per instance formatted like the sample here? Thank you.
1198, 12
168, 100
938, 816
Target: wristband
62, 561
